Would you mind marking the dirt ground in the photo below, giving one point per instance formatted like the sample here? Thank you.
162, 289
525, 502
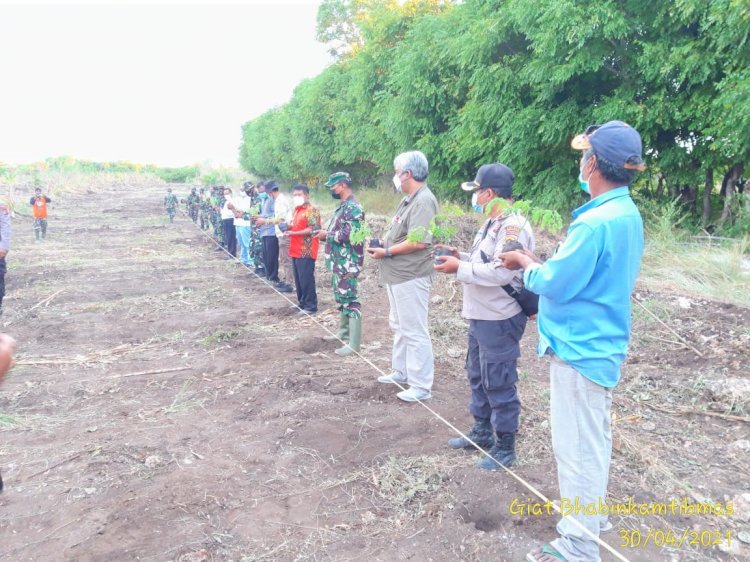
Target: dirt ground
167, 405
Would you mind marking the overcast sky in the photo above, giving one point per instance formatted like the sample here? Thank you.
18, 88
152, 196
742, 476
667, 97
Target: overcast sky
168, 84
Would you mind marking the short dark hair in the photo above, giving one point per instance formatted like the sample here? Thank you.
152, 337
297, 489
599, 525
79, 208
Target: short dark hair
610, 171
301, 187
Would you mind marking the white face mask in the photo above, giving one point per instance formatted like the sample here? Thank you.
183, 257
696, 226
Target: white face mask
298, 201
397, 182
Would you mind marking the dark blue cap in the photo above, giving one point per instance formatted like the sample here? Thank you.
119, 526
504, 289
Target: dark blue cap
614, 141
271, 185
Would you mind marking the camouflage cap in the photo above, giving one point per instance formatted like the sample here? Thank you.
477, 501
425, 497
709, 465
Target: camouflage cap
339, 177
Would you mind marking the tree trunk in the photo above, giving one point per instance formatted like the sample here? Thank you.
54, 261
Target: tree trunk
660, 187
707, 190
734, 174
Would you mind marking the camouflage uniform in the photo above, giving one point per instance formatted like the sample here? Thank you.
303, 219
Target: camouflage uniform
205, 210
170, 204
343, 258
217, 202
193, 204
256, 242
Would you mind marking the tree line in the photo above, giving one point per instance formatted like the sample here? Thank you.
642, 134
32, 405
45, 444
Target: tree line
512, 80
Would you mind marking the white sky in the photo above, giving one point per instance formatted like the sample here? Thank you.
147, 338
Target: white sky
167, 84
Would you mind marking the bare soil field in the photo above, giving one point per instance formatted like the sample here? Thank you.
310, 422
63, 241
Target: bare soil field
168, 405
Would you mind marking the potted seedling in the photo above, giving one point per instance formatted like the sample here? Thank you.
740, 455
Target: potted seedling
362, 233
441, 234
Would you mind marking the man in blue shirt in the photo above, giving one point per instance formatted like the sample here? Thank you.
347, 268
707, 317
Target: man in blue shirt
584, 325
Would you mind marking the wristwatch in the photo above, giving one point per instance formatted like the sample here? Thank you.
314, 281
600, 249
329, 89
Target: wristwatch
388, 253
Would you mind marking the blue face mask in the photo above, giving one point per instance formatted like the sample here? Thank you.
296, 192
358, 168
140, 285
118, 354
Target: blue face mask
474, 205
584, 184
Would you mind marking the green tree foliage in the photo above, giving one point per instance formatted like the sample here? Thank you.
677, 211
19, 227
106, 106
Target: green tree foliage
185, 174
512, 81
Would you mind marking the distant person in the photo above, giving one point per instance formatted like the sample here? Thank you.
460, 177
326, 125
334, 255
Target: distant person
39, 209
204, 208
496, 320
241, 204
406, 270
5, 236
283, 218
303, 248
170, 204
193, 204
227, 221
584, 326
269, 220
256, 241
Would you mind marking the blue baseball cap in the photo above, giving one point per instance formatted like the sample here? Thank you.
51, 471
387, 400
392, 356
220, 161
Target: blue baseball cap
614, 141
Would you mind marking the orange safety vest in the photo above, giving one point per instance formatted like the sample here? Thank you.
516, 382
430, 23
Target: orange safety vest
40, 207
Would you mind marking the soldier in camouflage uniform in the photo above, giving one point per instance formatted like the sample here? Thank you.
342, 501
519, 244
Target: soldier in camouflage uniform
170, 204
344, 259
256, 242
204, 208
217, 202
193, 204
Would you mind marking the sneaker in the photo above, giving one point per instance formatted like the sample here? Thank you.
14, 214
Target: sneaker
413, 394
393, 378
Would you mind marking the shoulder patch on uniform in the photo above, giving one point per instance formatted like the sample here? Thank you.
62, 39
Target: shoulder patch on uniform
511, 232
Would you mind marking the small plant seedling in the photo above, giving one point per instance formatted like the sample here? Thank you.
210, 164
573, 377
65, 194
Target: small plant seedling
360, 234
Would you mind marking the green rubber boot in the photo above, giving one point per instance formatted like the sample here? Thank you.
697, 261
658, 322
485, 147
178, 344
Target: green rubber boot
343, 333
355, 336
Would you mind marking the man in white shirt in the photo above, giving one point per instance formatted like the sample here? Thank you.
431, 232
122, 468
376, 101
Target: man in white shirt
242, 203
227, 224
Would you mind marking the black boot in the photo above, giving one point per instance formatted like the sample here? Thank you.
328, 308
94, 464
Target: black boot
504, 452
481, 434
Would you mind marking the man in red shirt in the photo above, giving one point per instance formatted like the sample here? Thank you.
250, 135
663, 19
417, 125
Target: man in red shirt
39, 206
303, 248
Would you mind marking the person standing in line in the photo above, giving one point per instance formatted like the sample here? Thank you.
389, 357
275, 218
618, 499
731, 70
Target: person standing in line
496, 320
406, 269
227, 221
39, 209
267, 226
584, 326
303, 248
345, 259
241, 205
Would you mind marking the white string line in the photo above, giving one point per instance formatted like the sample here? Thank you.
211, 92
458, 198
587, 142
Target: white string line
529, 486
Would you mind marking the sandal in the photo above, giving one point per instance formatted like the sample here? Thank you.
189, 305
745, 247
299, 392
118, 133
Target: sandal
543, 550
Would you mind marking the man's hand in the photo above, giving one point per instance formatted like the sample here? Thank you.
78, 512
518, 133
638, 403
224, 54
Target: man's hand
230, 206
516, 260
322, 234
452, 249
238, 214
376, 253
260, 221
448, 264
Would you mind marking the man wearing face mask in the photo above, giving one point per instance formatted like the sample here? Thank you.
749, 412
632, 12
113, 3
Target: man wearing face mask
496, 320
240, 205
303, 248
344, 259
229, 235
406, 269
584, 325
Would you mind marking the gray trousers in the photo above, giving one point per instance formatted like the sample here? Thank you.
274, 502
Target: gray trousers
491, 367
412, 347
582, 442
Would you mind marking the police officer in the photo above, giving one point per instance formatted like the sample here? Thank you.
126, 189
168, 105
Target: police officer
344, 259
496, 320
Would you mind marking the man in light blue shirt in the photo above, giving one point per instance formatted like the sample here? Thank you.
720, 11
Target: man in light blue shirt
584, 324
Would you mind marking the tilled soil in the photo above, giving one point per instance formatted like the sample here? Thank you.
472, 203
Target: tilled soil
168, 405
